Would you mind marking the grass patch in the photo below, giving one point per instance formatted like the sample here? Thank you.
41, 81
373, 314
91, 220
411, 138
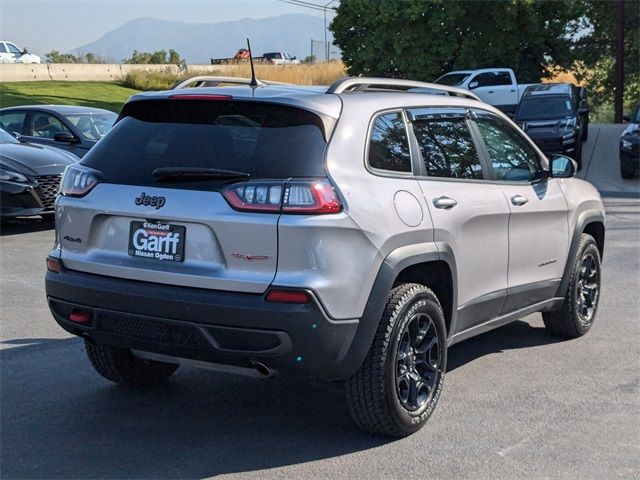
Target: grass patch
141, 80
108, 95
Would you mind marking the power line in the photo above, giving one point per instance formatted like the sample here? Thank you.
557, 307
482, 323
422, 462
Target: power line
312, 6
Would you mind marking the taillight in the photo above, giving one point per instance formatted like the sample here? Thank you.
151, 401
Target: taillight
255, 196
299, 196
199, 96
78, 180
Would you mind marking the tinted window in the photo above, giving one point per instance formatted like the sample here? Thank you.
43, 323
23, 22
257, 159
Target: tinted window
46, 125
263, 140
512, 158
13, 122
544, 108
7, 137
389, 146
447, 148
92, 126
3, 49
13, 49
452, 79
490, 79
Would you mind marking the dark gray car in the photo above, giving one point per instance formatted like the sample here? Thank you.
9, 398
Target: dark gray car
72, 128
29, 176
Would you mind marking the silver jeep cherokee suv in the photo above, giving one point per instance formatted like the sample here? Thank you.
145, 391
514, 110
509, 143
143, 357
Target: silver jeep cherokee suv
350, 233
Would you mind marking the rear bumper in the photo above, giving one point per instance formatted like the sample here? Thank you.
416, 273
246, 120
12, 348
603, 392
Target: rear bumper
206, 325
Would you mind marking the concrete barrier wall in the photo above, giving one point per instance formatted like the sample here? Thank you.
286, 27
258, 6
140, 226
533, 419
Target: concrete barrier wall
18, 72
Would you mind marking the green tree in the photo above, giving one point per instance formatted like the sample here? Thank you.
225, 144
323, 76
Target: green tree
594, 52
159, 57
423, 39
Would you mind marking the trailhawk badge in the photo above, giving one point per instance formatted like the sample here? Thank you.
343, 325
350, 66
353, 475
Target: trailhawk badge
158, 241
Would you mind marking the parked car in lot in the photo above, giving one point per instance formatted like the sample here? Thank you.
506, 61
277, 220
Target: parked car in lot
280, 58
29, 176
11, 53
72, 128
556, 117
495, 86
352, 233
630, 147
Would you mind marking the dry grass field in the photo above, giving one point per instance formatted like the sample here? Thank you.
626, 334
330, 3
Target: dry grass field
317, 74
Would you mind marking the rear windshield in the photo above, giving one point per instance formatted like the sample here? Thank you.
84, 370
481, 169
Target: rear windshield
259, 139
452, 79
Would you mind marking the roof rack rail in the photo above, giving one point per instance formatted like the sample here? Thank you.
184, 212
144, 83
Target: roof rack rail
214, 81
363, 84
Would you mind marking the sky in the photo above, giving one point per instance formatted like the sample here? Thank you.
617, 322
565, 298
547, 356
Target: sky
45, 25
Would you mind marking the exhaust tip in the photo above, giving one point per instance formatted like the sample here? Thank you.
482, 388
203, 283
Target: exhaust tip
263, 370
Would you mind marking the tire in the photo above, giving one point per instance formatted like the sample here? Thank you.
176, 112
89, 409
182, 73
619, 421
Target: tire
120, 366
381, 395
626, 170
581, 301
577, 155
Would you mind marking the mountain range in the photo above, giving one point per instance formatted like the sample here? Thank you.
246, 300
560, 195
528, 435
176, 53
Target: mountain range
199, 42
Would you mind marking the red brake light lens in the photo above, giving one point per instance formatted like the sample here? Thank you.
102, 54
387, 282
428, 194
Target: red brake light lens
288, 296
78, 180
199, 96
296, 196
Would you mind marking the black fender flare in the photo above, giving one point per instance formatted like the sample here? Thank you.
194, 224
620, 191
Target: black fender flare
584, 219
393, 264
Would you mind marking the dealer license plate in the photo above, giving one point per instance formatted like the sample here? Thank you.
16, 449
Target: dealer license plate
157, 241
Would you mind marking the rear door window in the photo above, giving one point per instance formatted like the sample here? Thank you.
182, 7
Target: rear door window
447, 148
491, 79
389, 144
259, 139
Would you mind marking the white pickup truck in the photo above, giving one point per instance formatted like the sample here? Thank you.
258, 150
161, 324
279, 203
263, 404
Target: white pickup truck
495, 86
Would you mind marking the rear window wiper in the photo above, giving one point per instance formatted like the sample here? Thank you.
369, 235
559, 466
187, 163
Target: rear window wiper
196, 173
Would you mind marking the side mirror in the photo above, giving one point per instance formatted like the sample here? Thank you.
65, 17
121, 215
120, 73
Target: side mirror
24, 51
561, 166
66, 137
511, 115
473, 85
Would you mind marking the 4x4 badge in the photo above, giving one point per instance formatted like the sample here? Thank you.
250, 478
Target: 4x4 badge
251, 258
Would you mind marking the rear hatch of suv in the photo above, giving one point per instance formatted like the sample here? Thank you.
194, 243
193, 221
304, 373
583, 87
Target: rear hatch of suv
188, 190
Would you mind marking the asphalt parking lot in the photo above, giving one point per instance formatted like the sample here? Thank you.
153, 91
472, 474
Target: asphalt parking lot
517, 402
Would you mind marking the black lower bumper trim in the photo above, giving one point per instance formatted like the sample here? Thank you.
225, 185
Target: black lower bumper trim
213, 326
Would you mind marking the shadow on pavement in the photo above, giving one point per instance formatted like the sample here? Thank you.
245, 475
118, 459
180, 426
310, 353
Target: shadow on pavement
518, 334
26, 225
61, 420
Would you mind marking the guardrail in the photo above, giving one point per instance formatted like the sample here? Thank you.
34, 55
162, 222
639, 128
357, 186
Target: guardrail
107, 72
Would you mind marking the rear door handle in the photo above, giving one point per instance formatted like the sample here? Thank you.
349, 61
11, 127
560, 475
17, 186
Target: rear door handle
519, 200
491, 91
444, 202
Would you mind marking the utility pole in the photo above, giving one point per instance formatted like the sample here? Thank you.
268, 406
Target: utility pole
618, 79
326, 43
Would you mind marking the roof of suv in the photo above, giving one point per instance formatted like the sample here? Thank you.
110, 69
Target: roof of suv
549, 89
316, 98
